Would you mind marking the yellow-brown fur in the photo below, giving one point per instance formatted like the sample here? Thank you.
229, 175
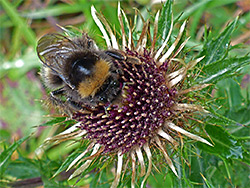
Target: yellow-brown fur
91, 85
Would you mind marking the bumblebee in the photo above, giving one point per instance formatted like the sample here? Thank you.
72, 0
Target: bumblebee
78, 74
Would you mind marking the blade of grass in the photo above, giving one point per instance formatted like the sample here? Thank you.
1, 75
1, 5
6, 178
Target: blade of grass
205, 3
196, 19
190, 10
16, 43
27, 33
54, 11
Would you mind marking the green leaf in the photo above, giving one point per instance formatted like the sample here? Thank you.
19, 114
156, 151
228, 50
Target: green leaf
23, 168
225, 145
216, 49
47, 168
69, 160
215, 118
229, 90
54, 121
6, 154
221, 69
165, 20
235, 105
242, 116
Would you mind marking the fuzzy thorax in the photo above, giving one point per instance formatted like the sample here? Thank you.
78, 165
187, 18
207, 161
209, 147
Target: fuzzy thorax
90, 85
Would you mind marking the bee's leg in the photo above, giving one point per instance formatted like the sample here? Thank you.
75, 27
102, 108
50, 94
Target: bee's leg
78, 106
57, 102
121, 56
66, 106
115, 54
74, 104
57, 92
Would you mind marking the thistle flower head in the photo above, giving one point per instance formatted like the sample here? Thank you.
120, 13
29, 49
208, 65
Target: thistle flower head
149, 107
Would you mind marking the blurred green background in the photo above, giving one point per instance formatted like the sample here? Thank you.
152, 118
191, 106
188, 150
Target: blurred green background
23, 22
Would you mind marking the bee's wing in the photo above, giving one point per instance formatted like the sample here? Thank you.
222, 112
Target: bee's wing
53, 50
